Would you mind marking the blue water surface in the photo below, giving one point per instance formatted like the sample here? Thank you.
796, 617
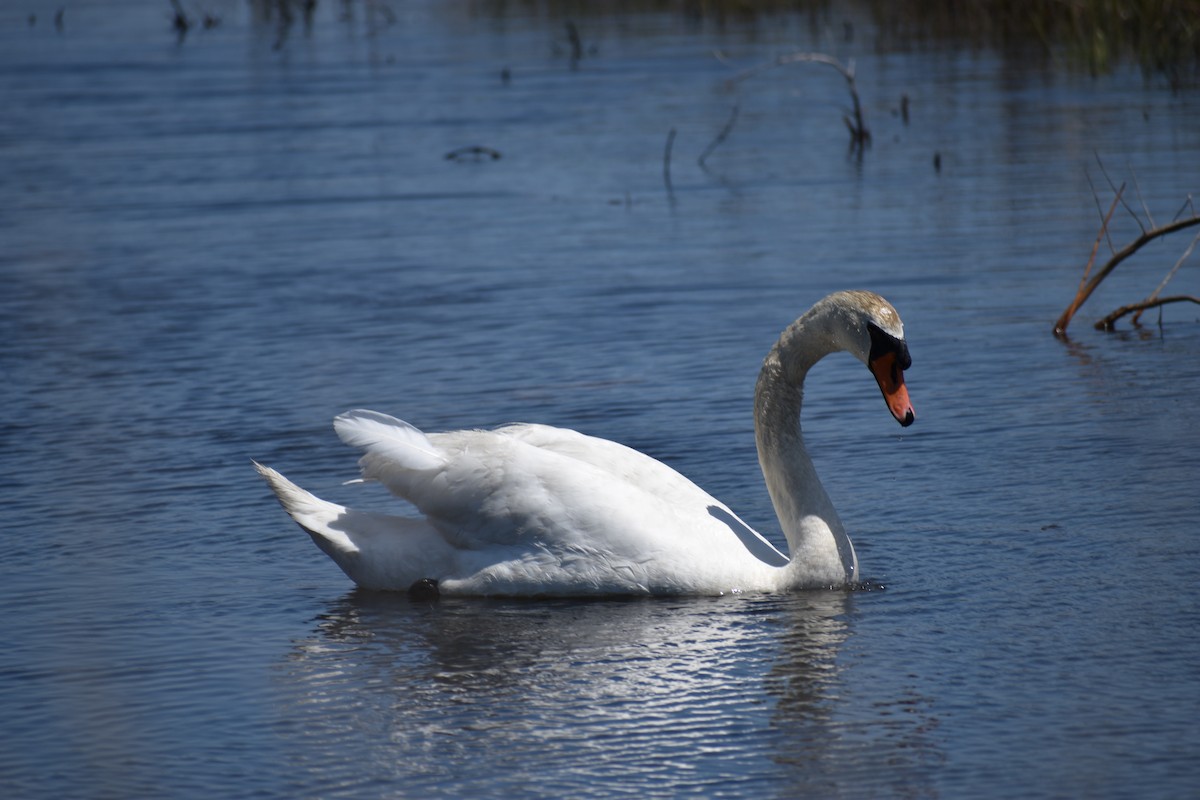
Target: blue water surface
212, 245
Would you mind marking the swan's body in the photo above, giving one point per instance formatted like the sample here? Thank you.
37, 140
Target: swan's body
537, 510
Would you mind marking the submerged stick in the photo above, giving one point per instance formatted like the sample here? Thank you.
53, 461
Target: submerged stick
179, 21
576, 42
667, 163
473, 152
733, 115
859, 135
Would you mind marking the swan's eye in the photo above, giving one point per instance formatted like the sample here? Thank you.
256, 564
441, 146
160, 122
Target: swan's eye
883, 343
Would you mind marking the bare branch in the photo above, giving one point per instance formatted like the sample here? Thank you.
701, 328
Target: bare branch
667, 164
1113, 186
1187, 203
733, 115
794, 58
1107, 323
1170, 274
1087, 270
859, 135
1085, 291
719, 55
1103, 217
1138, 191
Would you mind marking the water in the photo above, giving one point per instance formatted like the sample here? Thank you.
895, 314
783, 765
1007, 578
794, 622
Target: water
212, 247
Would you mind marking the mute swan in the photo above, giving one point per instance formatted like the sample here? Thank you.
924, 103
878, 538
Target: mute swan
536, 510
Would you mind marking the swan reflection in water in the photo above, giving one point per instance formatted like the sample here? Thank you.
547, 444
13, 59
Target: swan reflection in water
583, 697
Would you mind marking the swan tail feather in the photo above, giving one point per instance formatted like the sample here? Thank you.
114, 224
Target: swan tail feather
310, 512
376, 551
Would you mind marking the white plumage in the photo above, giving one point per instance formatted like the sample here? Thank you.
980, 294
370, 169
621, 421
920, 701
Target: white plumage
538, 510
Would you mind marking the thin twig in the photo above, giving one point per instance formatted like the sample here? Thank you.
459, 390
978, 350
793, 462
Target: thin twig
667, 163
1112, 186
719, 55
1138, 191
1103, 217
1060, 327
1187, 203
1170, 274
1106, 324
858, 131
1103, 231
733, 115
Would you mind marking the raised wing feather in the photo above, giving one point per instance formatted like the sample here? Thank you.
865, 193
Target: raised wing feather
389, 438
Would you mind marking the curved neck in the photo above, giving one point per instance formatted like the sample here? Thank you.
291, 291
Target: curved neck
821, 553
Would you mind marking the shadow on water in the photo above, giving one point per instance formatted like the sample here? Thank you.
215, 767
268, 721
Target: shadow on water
683, 693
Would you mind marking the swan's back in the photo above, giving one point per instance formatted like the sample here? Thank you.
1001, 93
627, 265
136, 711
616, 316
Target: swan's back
574, 499
620, 462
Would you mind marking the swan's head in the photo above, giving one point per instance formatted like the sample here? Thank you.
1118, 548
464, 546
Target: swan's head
866, 325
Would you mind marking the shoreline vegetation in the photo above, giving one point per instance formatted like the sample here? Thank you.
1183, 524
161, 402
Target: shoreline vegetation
1162, 37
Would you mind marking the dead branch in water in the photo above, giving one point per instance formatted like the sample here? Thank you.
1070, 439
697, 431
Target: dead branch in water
1108, 322
667, 164
1083, 292
859, 135
473, 152
733, 115
576, 44
1170, 274
1090, 281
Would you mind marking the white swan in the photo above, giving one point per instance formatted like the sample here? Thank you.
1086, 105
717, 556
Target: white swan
536, 510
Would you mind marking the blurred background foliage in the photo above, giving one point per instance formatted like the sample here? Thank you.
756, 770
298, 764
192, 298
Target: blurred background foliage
1160, 36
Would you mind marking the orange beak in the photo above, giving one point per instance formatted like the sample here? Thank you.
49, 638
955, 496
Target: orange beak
890, 378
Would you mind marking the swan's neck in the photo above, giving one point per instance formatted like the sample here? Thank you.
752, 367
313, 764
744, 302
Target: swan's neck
821, 553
